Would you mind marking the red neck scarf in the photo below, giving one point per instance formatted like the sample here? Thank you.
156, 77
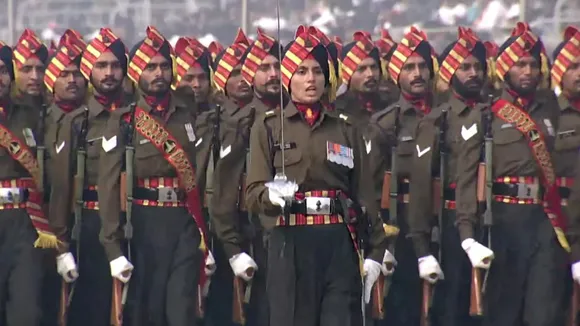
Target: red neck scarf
524, 101
110, 103
368, 101
67, 106
159, 105
270, 104
470, 103
310, 112
423, 104
241, 103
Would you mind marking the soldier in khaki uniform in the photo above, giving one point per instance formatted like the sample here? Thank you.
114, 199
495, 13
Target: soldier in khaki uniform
528, 276
387, 88
104, 65
240, 233
565, 74
225, 179
361, 74
168, 244
29, 88
443, 130
313, 265
23, 223
411, 67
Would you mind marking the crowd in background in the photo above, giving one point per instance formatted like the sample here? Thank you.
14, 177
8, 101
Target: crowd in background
209, 20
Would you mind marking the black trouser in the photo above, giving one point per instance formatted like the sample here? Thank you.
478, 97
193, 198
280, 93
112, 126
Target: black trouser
452, 295
403, 303
258, 310
313, 277
91, 300
21, 270
167, 260
220, 296
529, 278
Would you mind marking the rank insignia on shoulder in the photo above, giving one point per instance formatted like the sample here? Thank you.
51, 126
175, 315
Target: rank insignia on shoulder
269, 113
343, 117
288, 145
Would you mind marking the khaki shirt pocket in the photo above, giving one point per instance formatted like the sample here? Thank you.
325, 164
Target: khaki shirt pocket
567, 140
507, 136
291, 157
146, 151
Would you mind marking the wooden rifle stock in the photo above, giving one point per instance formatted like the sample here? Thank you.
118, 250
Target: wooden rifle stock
385, 198
117, 303
481, 182
378, 299
475, 302
574, 305
426, 304
63, 304
238, 314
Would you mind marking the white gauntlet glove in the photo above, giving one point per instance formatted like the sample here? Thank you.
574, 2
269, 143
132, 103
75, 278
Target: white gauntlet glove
389, 263
479, 255
429, 269
66, 267
576, 272
243, 266
121, 269
372, 270
210, 266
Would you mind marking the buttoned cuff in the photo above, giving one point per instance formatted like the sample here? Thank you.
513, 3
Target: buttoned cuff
421, 245
465, 229
113, 250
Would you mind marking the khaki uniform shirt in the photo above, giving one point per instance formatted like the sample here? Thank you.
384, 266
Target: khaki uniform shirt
149, 162
306, 162
511, 156
459, 125
230, 172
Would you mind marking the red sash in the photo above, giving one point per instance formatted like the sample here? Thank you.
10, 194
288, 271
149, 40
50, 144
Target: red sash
152, 130
520, 119
20, 152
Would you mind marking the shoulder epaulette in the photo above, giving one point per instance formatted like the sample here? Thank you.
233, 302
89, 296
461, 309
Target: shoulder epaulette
378, 115
270, 113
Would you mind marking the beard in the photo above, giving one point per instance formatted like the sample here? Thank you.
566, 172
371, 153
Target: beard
470, 89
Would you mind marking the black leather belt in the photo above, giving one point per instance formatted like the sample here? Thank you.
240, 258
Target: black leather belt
519, 190
159, 194
90, 195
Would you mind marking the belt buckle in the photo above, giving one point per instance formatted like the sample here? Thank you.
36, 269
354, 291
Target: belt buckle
167, 194
10, 196
528, 191
318, 205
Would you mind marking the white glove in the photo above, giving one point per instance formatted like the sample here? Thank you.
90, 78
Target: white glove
429, 269
66, 267
389, 263
210, 266
121, 269
479, 255
205, 290
372, 270
276, 198
576, 272
243, 266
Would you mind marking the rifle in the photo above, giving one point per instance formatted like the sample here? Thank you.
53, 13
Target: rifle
574, 304
119, 291
484, 174
443, 153
242, 296
79, 184
381, 287
40, 147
